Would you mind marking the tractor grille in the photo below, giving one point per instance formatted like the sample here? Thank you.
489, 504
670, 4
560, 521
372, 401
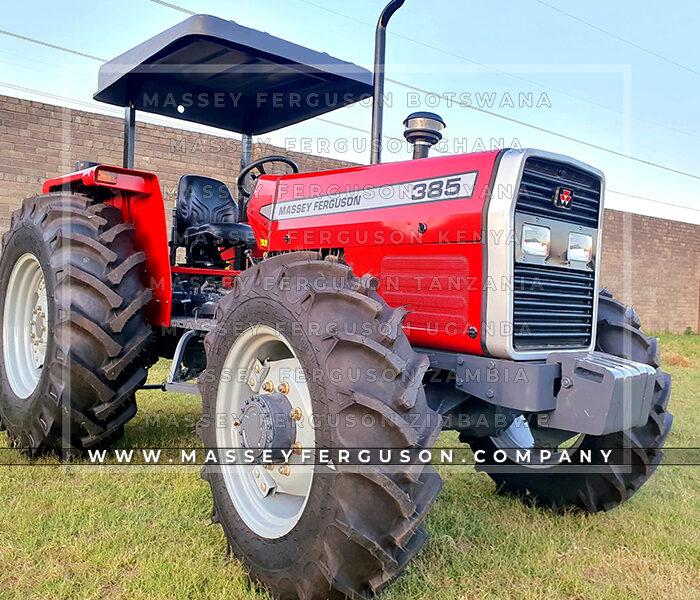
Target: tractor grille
539, 183
553, 304
552, 307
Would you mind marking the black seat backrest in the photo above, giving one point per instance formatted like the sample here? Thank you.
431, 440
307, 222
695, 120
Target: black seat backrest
203, 200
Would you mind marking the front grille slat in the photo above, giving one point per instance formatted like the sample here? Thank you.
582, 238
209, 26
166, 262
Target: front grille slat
546, 197
547, 170
534, 314
535, 326
538, 284
553, 334
552, 307
539, 183
529, 303
526, 270
583, 193
540, 203
554, 294
537, 208
545, 200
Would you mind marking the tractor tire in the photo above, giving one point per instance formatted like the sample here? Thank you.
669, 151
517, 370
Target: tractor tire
356, 530
619, 333
71, 385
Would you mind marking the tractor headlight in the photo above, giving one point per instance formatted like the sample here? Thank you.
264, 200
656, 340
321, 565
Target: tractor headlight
580, 247
536, 240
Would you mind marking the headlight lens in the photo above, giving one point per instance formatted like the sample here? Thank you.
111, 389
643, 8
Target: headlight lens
580, 247
536, 240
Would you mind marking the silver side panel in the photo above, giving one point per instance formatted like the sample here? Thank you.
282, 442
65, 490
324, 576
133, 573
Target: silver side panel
500, 225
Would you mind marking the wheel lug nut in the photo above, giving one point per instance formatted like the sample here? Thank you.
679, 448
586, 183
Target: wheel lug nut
269, 467
283, 388
263, 487
268, 386
256, 473
297, 447
251, 382
285, 470
296, 414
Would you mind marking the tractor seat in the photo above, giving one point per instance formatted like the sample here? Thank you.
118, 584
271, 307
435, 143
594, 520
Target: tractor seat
222, 234
207, 213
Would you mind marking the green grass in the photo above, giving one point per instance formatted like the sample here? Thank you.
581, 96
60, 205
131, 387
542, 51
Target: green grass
72, 532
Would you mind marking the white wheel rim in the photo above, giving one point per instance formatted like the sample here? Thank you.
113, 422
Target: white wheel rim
518, 436
25, 326
269, 501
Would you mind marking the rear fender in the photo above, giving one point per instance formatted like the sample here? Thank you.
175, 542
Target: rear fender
138, 195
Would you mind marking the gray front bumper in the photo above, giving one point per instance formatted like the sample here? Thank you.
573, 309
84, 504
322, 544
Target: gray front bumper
601, 393
587, 392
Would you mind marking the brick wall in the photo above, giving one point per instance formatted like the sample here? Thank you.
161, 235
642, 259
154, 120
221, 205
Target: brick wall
651, 263
40, 140
654, 264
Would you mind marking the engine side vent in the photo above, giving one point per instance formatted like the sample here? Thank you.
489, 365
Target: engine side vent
540, 182
552, 307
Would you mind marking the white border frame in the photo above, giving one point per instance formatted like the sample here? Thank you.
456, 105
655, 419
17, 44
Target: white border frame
500, 252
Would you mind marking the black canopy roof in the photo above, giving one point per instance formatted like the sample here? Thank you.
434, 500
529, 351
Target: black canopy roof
216, 72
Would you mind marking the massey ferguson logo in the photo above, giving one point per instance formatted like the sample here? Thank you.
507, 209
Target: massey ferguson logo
563, 198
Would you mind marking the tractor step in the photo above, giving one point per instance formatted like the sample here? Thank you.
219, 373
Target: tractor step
193, 324
177, 378
176, 381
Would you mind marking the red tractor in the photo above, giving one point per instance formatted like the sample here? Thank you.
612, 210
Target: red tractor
364, 307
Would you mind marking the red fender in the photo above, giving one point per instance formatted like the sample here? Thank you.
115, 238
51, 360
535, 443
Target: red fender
138, 195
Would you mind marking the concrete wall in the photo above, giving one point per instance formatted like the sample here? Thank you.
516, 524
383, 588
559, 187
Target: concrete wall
651, 263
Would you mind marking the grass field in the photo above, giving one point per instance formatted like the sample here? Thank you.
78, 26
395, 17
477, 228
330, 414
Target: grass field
80, 533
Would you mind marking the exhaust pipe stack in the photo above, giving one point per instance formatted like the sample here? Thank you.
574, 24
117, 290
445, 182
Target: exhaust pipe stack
423, 129
379, 62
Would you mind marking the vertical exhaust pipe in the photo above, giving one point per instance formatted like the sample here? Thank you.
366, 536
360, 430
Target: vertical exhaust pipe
379, 62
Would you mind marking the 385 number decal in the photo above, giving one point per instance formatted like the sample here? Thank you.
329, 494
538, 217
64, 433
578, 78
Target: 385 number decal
438, 188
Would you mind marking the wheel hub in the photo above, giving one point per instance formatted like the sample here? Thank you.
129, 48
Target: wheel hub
38, 326
266, 424
271, 408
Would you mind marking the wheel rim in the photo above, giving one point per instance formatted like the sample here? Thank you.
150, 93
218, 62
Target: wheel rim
519, 436
270, 501
25, 326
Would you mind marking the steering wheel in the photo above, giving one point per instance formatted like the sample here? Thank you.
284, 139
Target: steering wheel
255, 170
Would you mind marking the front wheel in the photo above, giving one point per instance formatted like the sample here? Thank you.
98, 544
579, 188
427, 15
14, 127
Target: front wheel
554, 484
307, 356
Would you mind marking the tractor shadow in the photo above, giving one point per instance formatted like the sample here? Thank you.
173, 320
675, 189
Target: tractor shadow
164, 419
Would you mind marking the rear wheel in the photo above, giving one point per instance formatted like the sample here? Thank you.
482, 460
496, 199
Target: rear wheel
73, 329
554, 484
25, 331
303, 344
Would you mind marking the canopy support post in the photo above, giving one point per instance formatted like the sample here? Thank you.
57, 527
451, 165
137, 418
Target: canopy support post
129, 135
246, 150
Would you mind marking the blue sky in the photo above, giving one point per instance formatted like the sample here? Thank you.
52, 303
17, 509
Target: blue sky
518, 58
